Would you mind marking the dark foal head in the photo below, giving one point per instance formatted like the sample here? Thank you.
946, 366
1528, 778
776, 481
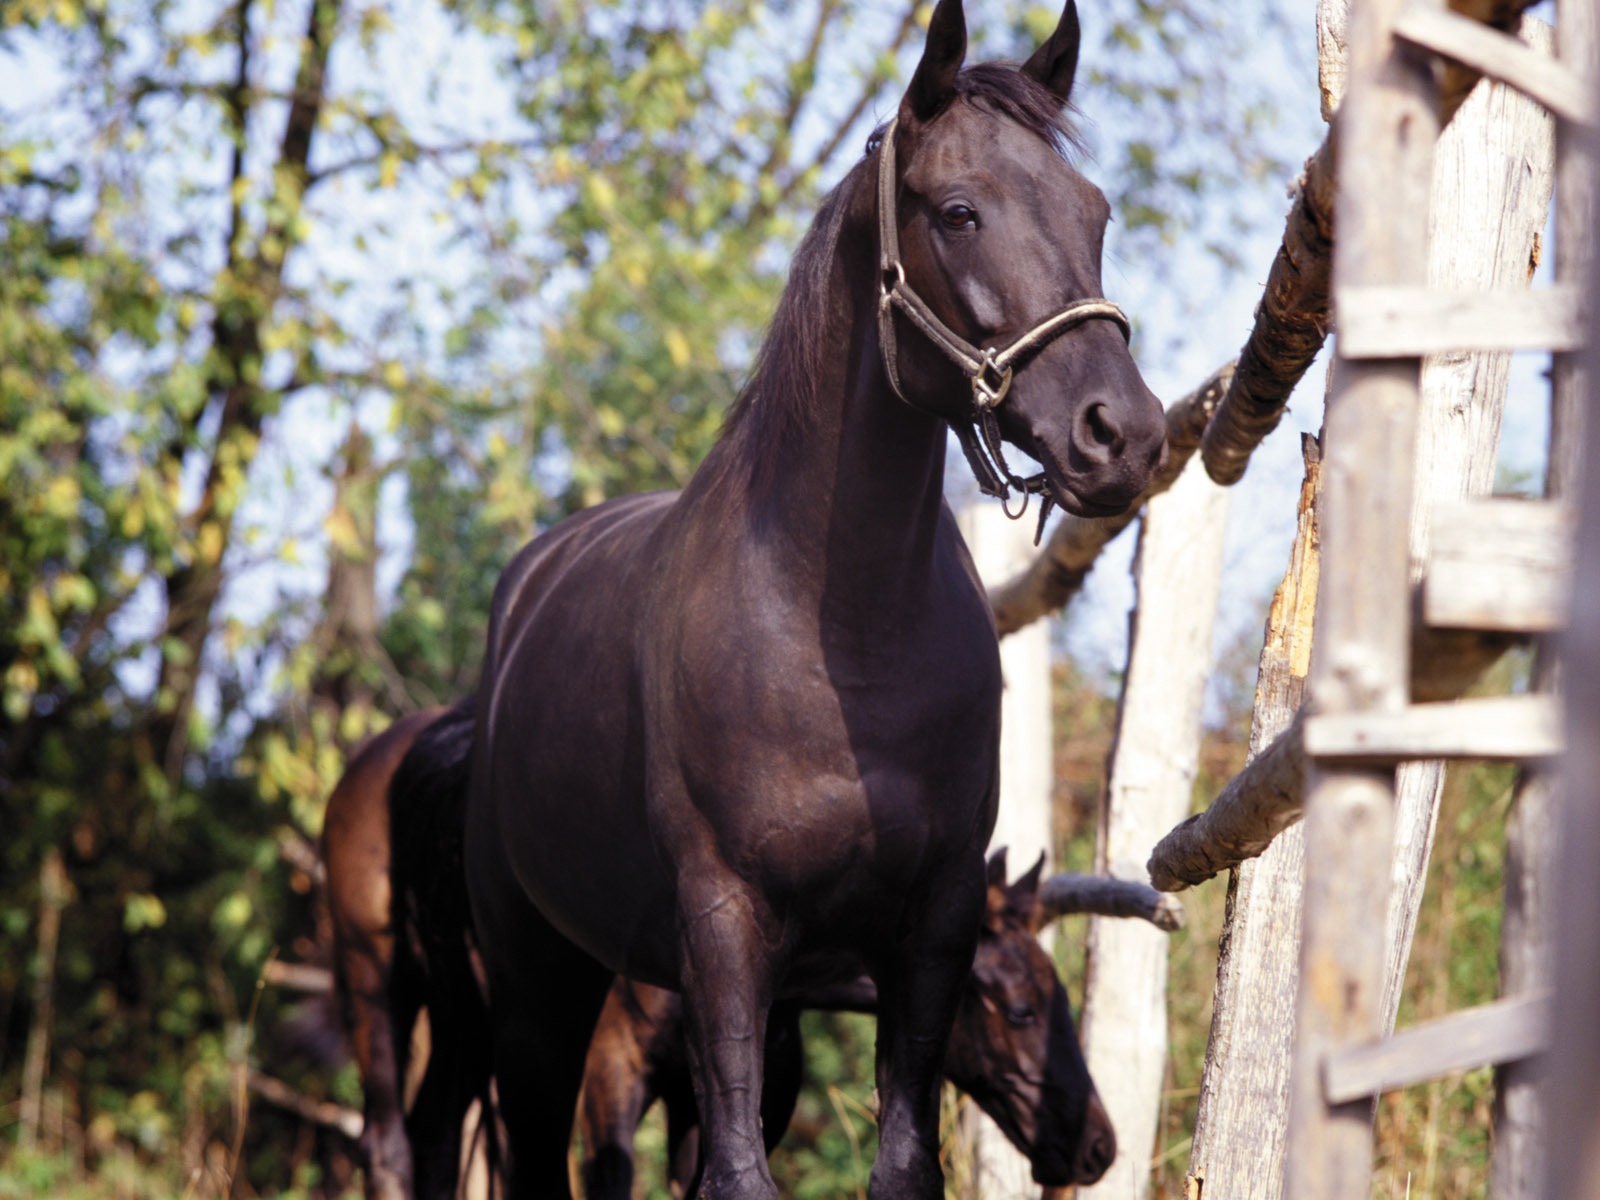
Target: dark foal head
999, 233
1014, 1049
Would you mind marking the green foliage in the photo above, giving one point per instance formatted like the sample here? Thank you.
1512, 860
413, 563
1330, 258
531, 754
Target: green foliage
272, 328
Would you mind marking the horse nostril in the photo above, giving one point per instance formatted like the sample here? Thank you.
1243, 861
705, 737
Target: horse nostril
1100, 437
1098, 1149
1095, 1157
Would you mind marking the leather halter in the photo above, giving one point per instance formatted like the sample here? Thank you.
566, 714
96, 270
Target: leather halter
988, 368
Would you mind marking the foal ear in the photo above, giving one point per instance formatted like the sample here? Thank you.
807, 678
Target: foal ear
1028, 887
997, 868
1054, 63
935, 79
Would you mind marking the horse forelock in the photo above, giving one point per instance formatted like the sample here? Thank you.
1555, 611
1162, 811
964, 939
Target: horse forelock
1002, 88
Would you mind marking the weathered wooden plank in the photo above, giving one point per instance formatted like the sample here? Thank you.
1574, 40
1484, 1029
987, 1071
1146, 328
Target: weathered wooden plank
1498, 56
1409, 320
1267, 797
1388, 124
1499, 564
1178, 572
1458, 80
1533, 886
1500, 1032
1497, 728
1494, 168
1570, 1120
1069, 892
1239, 1130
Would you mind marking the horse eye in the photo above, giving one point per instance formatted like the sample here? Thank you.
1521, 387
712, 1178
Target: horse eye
1020, 1014
959, 216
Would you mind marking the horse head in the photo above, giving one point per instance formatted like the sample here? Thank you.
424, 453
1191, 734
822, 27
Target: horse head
991, 248
1014, 1049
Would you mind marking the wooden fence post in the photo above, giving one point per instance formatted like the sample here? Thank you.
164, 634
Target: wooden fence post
1001, 547
1178, 574
1494, 169
1237, 1151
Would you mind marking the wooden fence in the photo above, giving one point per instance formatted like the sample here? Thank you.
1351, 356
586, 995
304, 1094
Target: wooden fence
1423, 582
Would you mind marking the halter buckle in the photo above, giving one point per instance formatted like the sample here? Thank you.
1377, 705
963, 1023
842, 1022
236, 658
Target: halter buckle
991, 383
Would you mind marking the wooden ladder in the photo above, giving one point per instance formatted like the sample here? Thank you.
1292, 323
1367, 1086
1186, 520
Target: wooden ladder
1495, 564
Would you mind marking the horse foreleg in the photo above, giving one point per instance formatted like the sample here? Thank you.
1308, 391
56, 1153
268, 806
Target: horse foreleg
726, 972
918, 994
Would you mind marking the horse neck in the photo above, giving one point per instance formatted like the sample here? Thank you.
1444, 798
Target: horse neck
854, 501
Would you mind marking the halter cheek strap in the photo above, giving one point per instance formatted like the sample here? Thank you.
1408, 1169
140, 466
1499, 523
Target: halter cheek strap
987, 368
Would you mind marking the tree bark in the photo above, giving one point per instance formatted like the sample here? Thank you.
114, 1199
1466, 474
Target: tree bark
1067, 893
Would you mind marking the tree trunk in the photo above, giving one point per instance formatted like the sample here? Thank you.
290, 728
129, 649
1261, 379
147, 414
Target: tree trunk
54, 890
247, 288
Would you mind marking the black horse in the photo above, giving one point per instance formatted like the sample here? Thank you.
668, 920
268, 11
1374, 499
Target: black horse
743, 740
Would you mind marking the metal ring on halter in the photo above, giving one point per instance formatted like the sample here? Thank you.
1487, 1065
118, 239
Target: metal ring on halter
986, 394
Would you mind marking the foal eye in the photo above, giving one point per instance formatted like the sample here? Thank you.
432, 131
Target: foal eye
959, 216
1020, 1014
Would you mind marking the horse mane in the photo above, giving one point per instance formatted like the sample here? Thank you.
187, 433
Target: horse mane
777, 403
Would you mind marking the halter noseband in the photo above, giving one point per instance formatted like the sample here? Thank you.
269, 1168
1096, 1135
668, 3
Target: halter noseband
987, 368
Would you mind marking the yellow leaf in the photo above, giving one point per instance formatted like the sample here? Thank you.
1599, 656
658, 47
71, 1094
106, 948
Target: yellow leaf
602, 193
394, 376
208, 543
62, 496
341, 530
677, 347
388, 169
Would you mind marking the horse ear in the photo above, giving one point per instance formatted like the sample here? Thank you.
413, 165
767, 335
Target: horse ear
997, 868
935, 79
1056, 62
1028, 887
